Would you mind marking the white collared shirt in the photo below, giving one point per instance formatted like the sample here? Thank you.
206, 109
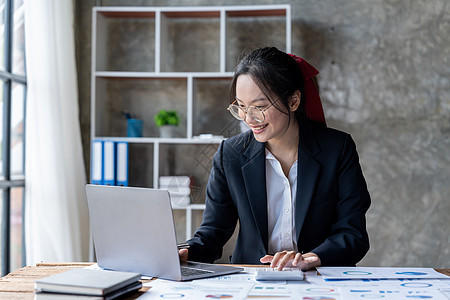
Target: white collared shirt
281, 196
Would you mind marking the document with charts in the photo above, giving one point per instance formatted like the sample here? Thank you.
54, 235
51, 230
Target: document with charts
339, 273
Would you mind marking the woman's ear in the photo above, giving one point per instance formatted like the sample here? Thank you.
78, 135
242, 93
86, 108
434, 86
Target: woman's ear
294, 100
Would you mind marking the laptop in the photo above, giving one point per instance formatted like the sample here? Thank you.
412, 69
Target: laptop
133, 230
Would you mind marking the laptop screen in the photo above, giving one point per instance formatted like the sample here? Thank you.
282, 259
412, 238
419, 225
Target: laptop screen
133, 230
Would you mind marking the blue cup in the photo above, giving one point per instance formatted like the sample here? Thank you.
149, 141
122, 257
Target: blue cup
134, 128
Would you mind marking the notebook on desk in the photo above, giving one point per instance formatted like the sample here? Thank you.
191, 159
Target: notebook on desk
133, 230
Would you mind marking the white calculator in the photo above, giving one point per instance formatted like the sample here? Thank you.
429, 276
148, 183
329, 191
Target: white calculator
274, 274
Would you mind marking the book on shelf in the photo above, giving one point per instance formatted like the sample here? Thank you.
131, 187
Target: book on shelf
179, 188
179, 200
184, 181
103, 284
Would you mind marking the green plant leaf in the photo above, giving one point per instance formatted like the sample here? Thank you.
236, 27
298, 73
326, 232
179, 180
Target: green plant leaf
167, 117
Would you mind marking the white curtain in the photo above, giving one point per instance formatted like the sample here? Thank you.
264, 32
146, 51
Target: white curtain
56, 220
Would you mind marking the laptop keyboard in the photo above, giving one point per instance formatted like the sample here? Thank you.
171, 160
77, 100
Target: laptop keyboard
186, 271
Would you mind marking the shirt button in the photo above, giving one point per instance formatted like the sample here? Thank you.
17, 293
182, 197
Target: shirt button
286, 210
286, 235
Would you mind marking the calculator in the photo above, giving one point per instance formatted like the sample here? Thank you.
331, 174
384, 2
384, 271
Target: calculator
274, 274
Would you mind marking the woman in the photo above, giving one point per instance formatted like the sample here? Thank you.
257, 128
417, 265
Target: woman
295, 185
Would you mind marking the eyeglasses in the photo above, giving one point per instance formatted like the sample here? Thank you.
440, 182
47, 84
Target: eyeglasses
255, 112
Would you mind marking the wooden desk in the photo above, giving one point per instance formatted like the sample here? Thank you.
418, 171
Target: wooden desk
20, 283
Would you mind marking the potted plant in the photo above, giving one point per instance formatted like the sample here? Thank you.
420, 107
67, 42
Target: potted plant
166, 120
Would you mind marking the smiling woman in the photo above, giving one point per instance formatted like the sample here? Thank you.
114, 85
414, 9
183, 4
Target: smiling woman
294, 184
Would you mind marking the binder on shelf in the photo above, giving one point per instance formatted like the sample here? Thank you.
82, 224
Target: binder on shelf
109, 163
122, 164
97, 162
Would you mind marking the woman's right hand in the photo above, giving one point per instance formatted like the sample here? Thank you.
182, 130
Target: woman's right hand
183, 254
305, 262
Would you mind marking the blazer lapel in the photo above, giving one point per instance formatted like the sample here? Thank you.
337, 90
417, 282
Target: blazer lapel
254, 173
307, 175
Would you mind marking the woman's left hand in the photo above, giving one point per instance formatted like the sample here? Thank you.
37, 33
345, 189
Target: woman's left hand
286, 258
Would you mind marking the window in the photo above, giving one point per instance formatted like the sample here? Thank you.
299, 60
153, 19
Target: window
12, 116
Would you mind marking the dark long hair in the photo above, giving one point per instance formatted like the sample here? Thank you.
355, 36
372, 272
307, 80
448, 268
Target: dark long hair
277, 75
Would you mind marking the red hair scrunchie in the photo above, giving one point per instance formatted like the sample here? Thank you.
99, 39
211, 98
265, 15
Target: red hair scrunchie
313, 104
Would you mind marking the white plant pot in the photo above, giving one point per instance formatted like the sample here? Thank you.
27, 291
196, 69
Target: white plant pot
166, 131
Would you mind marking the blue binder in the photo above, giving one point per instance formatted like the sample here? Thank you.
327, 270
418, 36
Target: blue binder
122, 164
97, 162
109, 163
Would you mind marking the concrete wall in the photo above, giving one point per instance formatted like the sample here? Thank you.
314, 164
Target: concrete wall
384, 77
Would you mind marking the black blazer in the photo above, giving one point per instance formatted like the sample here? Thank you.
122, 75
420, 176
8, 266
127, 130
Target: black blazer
332, 200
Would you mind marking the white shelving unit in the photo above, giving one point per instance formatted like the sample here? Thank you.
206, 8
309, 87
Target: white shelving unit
189, 210
134, 50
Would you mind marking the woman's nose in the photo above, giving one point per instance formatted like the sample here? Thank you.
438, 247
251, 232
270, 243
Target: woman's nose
249, 120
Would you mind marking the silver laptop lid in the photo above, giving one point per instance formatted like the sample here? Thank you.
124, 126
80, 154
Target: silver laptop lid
131, 227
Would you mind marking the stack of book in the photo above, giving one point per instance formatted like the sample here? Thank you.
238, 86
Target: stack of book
179, 188
87, 284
